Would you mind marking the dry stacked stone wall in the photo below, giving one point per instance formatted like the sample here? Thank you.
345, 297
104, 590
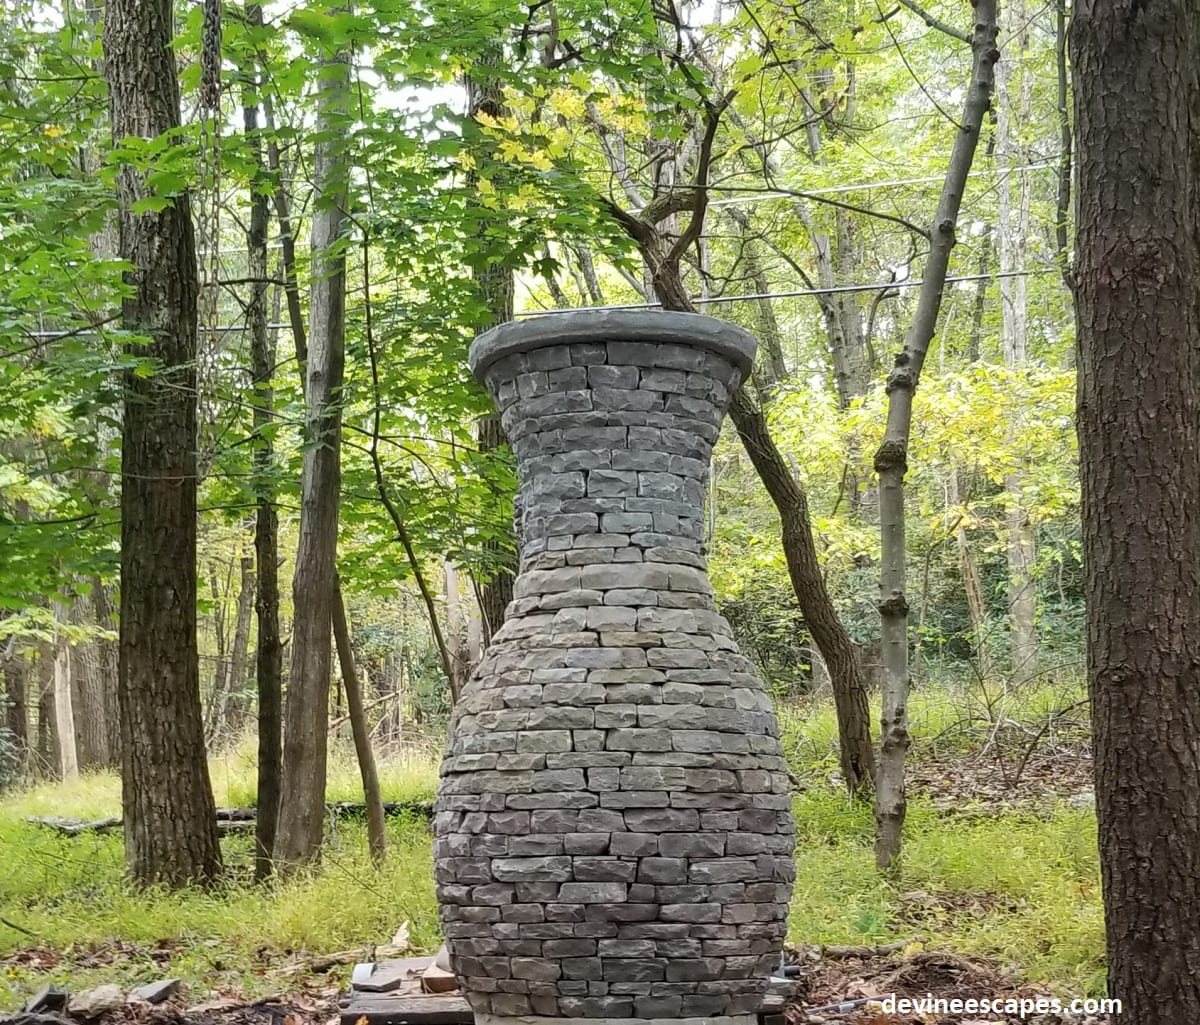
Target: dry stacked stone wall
613, 828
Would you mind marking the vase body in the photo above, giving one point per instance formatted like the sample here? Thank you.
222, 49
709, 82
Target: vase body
613, 827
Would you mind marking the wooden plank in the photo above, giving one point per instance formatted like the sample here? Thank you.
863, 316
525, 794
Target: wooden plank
386, 1009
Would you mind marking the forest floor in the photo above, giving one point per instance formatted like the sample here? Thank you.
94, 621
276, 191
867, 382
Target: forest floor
999, 893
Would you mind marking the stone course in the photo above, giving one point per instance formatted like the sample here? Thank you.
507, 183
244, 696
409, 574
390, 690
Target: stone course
613, 833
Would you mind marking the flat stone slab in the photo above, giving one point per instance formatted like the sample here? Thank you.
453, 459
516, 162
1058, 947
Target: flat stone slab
392, 975
155, 992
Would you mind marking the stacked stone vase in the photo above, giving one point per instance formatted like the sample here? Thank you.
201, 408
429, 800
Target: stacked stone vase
613, 833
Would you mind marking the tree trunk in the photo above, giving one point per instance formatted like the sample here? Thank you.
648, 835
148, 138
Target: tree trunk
1014, 99
495, 285
587, 268
170, 821
372, 795
220, 681
87, 693
836, 648
268, 654
456, 630
1137, 115
47, 739
891, 462
229, 716
972, 585
106, 649
64, 707
661, 262
302, 797
16, 711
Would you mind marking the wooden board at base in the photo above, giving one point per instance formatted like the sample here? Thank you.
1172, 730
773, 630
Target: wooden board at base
405, 1009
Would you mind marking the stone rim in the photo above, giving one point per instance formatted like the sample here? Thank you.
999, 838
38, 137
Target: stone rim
663, 326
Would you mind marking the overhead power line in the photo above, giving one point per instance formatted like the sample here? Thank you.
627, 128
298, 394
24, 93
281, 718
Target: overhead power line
833, 190
882, 286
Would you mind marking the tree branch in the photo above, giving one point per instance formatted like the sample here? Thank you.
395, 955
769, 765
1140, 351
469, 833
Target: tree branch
712, 114
933, 22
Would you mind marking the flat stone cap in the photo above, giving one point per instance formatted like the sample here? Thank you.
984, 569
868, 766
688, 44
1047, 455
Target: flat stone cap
663, 326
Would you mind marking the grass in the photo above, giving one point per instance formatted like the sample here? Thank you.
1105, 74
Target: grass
1017, 887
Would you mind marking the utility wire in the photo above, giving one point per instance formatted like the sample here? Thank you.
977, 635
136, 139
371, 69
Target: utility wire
882, 286
765, 195
833, 190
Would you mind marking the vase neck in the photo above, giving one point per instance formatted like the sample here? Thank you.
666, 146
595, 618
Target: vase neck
613, 441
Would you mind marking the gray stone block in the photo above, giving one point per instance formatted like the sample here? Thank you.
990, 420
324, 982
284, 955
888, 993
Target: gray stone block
666, 823
624, 799
592, 893
549, 869
633, 844
662, 870
642, 459
612, 483
692, 845
542, 740
604, 869
634, 596
624, 377
535, 844
586, 843
638, 740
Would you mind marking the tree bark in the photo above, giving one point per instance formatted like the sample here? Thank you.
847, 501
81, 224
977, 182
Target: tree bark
229, 715
891, 462
1137, 117
268, 654
372, 794
495, 285
109, 659
587, 267
1014, 99
220, 680
170, 825
972, 584
87, 693
302, 796
47, 738
64, 706
857, 756
16, 709
456, 630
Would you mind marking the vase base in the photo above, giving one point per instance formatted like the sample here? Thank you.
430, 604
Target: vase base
533, 1019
